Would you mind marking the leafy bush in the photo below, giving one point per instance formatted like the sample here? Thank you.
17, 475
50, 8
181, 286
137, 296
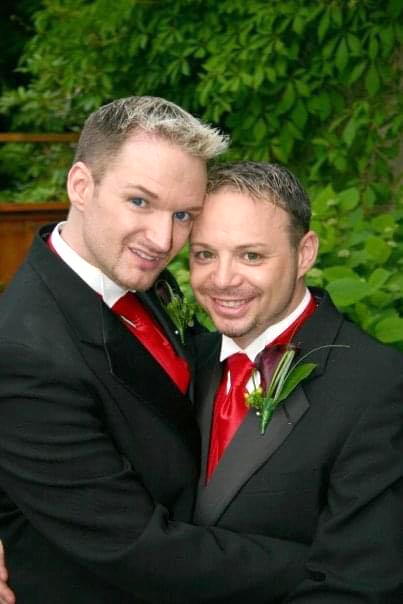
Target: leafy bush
315, 85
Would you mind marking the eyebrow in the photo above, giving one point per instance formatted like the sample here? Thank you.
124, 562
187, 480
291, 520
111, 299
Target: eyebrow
131, 186
246, 246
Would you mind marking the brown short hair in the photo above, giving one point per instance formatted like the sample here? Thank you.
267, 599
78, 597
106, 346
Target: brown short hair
271, 182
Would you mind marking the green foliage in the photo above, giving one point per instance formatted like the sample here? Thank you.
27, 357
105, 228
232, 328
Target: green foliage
312, 84
361, 258
43, 174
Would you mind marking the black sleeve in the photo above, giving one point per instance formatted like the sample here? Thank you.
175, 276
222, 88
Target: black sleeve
61, 469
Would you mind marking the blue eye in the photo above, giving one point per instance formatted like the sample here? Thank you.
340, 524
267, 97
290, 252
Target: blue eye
182, 216
139, 202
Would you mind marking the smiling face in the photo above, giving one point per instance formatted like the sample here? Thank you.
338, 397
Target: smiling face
244, 270
139, 215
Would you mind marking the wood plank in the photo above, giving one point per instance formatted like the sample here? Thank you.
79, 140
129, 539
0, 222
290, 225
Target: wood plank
27, 137
18, 224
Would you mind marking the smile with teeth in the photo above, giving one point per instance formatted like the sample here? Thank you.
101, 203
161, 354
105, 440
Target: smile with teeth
230, 303
144, 256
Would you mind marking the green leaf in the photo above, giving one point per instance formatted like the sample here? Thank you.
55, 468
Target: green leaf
356, 72
354, 44
299, 115
383, 223
323, 25
349, 198
372, 81
339, 272
302, 88
349, 131
337, 15
377, 249
266, 415
345, 292
295, 376
387, 39
271, 74
389, 330
342, 55
287, 100
378, 278
381, 299
395, 283
260, 130
323, 199
298, 24
373, 48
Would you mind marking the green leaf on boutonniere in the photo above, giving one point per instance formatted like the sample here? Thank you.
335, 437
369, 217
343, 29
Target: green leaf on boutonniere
295, 376
179, 309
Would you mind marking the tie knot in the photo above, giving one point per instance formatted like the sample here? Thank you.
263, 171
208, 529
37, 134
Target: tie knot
128, 306
240, 366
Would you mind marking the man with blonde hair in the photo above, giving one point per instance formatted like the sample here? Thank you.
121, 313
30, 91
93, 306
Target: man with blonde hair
99, 448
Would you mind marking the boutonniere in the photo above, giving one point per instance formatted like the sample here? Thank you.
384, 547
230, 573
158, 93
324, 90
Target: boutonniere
278, 378
179, 309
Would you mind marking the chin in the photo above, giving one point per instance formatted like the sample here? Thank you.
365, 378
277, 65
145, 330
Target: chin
139, 283
233, 331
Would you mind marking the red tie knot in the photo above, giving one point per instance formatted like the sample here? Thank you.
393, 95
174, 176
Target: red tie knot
240, 367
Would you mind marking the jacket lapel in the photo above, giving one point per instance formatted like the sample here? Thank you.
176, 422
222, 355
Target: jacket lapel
249, 450
211, 382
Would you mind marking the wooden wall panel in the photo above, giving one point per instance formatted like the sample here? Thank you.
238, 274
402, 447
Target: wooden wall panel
18, 224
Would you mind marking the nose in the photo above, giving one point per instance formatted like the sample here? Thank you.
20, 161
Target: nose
225, 275
160, 232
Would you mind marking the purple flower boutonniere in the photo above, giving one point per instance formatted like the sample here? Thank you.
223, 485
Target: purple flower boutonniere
278, 378
179, 309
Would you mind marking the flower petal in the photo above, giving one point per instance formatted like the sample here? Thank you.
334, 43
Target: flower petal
267, 362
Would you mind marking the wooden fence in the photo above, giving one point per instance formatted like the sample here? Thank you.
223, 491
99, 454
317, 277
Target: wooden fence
20, 221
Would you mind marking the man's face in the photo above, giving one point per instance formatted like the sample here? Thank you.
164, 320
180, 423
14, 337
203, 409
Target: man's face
139, 216
244, 271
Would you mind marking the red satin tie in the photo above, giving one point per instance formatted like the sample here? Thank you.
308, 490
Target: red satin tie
230, 408
229, 413
142, 325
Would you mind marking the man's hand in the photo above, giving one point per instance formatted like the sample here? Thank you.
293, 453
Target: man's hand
6, 595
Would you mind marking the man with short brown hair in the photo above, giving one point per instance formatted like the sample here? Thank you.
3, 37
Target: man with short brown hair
321, 464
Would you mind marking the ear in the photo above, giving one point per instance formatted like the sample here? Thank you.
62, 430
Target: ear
80, 185
307, 252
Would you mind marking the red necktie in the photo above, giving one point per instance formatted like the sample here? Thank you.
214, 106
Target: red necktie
230, 408
142, 325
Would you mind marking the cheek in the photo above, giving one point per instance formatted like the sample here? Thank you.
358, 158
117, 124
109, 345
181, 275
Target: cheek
198, 275
179, 238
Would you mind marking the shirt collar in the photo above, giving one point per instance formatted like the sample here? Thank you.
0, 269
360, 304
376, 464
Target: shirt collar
110, 291
229, 347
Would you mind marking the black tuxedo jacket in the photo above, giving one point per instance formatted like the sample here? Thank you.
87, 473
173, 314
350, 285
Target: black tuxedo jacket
99, 456
328, 471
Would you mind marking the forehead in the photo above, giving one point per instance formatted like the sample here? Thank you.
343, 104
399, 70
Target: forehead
151, 159
148, 148
235, 216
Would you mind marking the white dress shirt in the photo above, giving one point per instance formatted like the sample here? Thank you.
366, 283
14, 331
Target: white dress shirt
229, 347
110, 291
